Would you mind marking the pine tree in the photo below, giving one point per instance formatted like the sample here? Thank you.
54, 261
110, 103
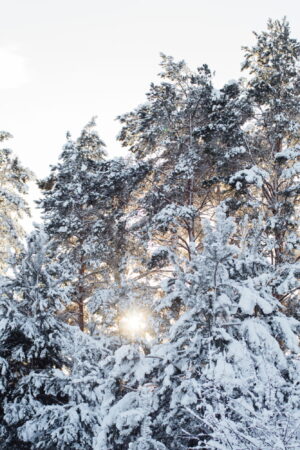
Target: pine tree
32, 339
190, 134
55, 379
85, 203
268, 179
162, 132
13, 207
229, 363
71, 214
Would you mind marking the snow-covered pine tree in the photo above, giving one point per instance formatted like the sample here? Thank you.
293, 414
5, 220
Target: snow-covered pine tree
227, 376
268, 179
270, 420
190, 134
162, 132
71, 214
85, 203
13, 207
64, 409
55, 379
31, 339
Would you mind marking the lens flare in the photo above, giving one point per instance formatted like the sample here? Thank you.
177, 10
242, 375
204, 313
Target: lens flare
133, 323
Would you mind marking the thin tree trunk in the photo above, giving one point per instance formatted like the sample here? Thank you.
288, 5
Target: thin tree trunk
80, 302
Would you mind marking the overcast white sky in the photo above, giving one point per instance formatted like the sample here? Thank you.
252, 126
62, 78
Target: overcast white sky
63, 61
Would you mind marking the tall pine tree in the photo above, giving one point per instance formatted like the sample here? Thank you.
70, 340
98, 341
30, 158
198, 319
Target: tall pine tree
72, 217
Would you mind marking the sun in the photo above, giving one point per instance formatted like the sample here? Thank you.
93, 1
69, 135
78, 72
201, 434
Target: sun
133, 323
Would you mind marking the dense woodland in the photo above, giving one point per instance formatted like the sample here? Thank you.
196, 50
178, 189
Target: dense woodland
157, 306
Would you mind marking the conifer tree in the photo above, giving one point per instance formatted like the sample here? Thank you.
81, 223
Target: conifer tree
32, 339
85, 203
13, 207
268, 178
230, 360
54, 377
162, 132
71, 214
190, 134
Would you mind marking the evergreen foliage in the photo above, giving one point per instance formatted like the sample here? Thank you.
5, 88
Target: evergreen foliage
159, 309
269, 180
13, 206
71, 215
85, 198
32, 338
230, 362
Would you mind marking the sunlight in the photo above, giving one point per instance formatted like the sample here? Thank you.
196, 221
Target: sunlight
133, 323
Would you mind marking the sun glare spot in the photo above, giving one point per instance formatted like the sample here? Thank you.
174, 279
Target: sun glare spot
133, 323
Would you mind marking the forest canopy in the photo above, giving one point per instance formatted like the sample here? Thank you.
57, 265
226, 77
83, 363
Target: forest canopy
156, 306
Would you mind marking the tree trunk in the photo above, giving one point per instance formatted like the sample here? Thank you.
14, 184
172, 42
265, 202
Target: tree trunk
80, 301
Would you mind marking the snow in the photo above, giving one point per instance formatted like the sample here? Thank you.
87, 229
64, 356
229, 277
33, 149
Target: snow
219, 297
249, 299
255, 175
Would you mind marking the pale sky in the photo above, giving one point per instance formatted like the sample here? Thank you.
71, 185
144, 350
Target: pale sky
64, 61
